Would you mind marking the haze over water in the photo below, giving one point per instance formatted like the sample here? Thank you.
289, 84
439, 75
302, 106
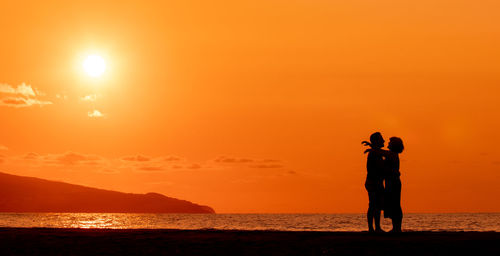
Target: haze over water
285, 222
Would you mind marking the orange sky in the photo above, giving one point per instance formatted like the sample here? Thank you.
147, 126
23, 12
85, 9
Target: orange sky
255, 106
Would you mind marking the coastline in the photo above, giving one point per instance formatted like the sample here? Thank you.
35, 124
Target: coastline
68, 241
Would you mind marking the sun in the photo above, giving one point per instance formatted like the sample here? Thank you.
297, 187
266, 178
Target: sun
94, 65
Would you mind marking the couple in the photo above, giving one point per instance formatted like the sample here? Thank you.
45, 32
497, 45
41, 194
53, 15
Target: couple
383, 166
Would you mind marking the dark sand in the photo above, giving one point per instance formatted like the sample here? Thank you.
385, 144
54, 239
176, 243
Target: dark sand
27, 241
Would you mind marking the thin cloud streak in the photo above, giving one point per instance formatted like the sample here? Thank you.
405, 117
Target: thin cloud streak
250, 163
137, 158
22, 102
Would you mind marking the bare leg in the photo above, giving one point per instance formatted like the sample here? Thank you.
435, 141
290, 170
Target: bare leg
376, 216
369, 217
396, 224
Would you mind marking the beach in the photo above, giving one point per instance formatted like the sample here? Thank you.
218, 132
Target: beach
61, 241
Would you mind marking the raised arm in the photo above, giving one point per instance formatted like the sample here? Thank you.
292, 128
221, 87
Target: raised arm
383, 152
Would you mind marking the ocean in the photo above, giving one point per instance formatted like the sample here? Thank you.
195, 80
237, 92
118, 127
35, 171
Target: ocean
285, 222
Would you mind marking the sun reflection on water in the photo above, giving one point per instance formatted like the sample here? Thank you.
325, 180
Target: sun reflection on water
91, 221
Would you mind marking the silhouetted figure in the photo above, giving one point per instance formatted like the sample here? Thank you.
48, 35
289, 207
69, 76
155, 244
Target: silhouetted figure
374, 182
392, 207
391, 175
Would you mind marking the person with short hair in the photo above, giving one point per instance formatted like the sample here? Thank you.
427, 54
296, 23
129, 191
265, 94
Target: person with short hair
374, 182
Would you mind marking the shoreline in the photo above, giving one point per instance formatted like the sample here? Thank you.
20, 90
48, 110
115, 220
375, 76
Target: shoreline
131, 230
74, 241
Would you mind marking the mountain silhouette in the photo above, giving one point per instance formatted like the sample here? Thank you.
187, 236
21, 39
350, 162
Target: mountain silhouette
28, 194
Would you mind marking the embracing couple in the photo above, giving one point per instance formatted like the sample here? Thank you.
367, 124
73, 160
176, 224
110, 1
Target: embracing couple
383, 168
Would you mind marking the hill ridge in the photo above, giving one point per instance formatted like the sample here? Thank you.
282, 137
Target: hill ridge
31, 194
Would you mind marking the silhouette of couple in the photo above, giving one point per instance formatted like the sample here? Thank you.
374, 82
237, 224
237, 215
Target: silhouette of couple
383, 167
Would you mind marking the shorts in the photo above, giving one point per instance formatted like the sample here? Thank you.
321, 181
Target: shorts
375, 194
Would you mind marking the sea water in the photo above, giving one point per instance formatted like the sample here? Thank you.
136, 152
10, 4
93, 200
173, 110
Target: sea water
285, 222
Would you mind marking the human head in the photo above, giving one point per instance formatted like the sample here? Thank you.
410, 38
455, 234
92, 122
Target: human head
396, 145
377, 140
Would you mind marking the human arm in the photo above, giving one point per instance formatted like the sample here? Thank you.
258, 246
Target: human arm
380, 151
366, 143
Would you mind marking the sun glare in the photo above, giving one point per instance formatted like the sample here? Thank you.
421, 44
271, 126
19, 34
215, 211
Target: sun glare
94, 65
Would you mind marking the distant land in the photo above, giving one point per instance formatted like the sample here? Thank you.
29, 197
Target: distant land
28, 194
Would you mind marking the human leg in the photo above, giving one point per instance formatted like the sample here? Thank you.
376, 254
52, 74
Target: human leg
369, 217
376, 217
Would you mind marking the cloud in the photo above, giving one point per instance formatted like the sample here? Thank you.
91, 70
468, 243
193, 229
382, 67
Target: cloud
96, 113
172, 158
223, 159
91, 98
193, 166
19, 102
2, 147
248, 162
21, 96
59, 96
108, 171
136, 158
144, 163
75, 161
72, 158
266, 166
160, 163
31, 156
270, 161
69, 158
150, 168
21, 89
